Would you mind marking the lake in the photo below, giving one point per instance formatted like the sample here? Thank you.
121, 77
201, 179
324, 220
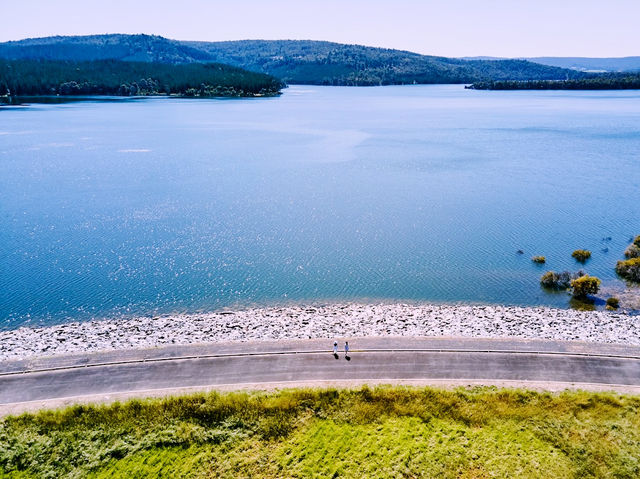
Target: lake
405, 193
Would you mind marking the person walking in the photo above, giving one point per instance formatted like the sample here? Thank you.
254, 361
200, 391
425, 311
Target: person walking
335, 348
346, 349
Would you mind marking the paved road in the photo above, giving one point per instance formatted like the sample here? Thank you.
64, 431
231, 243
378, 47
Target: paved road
297, 361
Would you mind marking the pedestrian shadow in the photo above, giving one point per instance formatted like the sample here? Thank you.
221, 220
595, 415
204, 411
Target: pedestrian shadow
335, 355
348, 358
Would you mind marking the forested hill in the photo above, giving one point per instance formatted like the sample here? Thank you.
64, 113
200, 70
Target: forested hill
133, 48
294, 61
114, 77
313, 62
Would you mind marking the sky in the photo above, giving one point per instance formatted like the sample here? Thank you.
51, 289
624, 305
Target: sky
506, 28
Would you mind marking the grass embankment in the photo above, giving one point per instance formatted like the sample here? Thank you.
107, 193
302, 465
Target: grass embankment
382, 432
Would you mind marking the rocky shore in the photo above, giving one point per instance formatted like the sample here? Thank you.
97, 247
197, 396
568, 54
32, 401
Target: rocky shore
323, 321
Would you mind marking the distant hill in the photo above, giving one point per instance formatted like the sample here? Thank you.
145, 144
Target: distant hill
133, 48
583, 64
294, 61
315, 62
624, 64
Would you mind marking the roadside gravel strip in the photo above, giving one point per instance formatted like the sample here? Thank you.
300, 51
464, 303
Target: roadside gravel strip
322, 321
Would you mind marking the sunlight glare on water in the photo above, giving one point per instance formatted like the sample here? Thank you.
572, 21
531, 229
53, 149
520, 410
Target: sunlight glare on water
326, 193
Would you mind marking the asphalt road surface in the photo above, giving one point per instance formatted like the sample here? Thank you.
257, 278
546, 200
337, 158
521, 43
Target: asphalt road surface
294, 362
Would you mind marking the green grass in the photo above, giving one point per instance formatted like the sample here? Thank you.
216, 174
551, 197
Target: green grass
381, 432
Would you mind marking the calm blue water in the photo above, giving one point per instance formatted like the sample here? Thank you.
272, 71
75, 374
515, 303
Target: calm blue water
412, 192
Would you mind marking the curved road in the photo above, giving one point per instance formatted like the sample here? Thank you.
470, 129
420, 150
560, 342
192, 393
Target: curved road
29, 385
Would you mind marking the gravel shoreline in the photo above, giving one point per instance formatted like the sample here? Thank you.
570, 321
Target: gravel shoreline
325, 321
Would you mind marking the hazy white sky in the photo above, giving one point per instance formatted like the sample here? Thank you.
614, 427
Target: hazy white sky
438, 27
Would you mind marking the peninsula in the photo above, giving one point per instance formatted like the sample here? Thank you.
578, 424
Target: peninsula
114, 77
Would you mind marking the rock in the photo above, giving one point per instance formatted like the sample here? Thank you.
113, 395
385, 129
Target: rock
305, 321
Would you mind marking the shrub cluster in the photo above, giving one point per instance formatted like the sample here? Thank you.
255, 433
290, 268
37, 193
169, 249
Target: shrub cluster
629, 269
633, 250
585, 285
559, 281
581, 255
613, 303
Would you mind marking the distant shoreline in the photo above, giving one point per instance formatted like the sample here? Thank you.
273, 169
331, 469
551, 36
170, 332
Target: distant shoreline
611, 82
322, 321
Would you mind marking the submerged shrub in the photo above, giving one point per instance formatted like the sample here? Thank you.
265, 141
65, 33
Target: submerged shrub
581, 255
613, 303
632, 251
539, 259
560, 281
629, 269
554, 280
582, 304
585, 285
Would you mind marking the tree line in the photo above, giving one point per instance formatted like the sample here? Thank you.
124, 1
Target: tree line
113, 77
604, 82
